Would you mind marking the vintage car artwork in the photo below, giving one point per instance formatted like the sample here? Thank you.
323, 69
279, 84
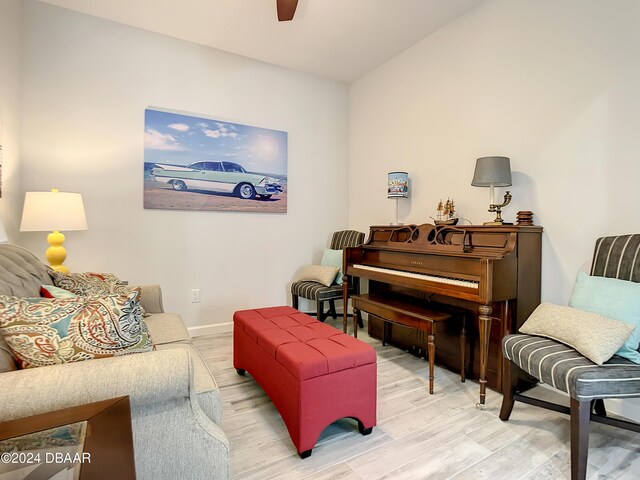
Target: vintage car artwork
218, 177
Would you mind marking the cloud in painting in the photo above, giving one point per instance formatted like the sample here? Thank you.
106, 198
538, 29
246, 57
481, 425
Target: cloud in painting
181, 127
212, 133
183, 139
155, 140
222, 131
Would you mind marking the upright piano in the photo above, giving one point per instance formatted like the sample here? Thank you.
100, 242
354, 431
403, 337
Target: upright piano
490, 272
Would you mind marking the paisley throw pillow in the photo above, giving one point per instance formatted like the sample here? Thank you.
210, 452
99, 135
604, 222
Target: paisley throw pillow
51, 291
91, 284
50, 331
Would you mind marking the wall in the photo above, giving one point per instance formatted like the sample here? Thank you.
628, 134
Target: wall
10, 113
86, 85
552, 85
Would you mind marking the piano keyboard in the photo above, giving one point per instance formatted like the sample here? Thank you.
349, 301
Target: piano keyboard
421, 276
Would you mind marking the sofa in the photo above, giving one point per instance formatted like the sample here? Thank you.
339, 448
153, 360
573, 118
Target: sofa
175, 402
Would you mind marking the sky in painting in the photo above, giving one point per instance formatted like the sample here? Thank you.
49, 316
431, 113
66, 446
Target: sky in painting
178, 139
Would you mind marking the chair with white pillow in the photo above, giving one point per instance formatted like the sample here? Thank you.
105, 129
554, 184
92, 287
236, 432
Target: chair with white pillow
564, 368
313, 290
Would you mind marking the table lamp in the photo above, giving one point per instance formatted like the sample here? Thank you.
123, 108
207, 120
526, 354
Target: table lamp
54, 210
397, 187
493, 172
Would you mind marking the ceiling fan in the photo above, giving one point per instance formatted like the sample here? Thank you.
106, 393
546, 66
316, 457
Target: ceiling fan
286, 9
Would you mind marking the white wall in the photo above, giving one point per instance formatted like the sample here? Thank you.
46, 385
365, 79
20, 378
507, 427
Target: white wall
10, 113
553, 85
86, 85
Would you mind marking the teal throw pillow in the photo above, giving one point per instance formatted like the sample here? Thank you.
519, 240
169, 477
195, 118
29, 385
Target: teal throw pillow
613, 298
333, 258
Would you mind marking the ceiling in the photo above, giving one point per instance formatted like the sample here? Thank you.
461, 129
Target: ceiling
336, 39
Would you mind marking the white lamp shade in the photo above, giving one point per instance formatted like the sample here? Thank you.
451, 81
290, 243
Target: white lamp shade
48, 211
398, 185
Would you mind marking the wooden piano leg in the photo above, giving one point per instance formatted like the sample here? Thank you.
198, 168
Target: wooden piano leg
356, 320
345, 302
484, 322
385, 331
431, 348
463, 348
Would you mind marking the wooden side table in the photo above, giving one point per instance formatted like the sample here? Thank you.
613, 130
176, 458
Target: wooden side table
108, 443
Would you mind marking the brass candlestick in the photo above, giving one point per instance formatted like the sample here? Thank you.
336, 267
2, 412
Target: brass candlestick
498, 209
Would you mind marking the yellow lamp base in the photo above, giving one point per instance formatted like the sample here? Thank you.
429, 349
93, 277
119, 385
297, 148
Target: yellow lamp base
56, 253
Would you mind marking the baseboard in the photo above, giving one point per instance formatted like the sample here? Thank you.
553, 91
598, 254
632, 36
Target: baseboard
226, 327
210, 329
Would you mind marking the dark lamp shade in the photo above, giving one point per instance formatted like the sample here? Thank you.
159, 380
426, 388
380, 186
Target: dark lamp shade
494, 171
398, 185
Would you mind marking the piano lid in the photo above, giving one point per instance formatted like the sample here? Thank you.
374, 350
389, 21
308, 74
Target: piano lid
473, 240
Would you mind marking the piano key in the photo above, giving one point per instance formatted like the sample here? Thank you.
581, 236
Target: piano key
421, 276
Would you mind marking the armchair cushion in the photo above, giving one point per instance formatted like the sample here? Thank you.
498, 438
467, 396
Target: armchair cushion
43, 331
613, 298
316, 291
323, 274
594, 336
565, 369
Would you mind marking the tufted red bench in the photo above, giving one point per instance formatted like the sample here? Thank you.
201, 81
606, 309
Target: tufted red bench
313, 373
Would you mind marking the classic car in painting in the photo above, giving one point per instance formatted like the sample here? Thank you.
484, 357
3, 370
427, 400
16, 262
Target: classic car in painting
218, 177
202, 163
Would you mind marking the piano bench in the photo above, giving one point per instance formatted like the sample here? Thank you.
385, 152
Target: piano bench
313, 373
409, 313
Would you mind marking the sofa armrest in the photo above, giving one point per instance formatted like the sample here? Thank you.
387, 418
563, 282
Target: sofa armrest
172, 435
151, 298
146, 378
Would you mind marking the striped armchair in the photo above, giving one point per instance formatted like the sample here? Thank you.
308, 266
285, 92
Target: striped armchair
563, 368
318, 292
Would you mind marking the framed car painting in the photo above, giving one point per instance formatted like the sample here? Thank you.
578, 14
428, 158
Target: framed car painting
198, 163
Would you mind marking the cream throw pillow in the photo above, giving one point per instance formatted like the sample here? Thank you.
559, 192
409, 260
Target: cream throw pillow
592, 335
323, 274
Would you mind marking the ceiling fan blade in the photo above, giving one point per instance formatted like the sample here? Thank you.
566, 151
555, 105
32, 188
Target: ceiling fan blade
286, 9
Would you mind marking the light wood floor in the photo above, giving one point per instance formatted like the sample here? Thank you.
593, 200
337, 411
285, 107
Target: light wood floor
418, 436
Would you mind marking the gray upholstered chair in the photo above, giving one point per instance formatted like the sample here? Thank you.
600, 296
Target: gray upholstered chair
319, 293
561, 367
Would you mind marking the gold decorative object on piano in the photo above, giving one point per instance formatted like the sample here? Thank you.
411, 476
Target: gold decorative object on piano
417, 273
493, 172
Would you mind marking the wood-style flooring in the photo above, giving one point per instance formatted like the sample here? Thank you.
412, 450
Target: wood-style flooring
418, 436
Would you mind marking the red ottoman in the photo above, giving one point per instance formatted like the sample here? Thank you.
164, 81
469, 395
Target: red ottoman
313, 373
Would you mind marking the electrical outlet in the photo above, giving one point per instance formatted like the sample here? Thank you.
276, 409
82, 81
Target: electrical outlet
195, 295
